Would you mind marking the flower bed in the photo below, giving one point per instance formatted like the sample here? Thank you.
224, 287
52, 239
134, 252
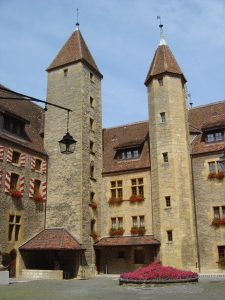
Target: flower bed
15, 193
221, 261
136, 198
115, 201
156, 273
114, 231
212, 175
220, 175
218, 222
94, 205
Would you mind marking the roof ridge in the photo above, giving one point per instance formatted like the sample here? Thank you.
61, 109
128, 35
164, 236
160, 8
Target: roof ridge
208, 104
128, 124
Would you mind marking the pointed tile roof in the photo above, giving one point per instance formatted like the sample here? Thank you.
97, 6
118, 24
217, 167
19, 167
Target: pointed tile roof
75, 49
163, 61
52, 239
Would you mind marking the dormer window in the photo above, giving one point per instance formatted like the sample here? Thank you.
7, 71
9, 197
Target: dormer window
160, 80
129, 154
13, 124
215, 136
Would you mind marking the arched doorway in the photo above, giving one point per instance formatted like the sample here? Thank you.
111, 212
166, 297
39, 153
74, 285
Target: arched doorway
12, 266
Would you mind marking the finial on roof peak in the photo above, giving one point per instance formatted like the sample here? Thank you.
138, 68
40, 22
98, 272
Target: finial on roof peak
162, 41
77, 24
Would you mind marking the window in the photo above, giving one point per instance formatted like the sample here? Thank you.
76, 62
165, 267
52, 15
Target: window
169, 235
38, 164
14, 227
163, 117
37, 185
137, 186
91, 76
129, 154
120, 222
92, 194
92, 169
91, 101
121, 254
113, 220
139, 256
65, 71
91, 124
14, 181
165, 157
116, 189
13, 125
93, 224
168, 203
214, 167
15, 157
214, 136
91, 147
138, 221
221, 251
219, 212
160, 80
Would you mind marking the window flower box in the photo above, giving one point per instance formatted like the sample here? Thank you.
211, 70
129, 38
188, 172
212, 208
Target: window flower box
94, 205
138, 230
114, 231
136, 198
218, 222
94, 235
15, 193
211, 175
220, 175
38, 197
221, 261
115, 201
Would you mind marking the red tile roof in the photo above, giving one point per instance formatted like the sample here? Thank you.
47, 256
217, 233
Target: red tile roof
122, 137
31, 113
127, 241
204, 118
163, 61
75, 49
52, 239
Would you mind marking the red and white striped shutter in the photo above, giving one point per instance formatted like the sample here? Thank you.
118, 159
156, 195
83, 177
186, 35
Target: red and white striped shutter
7, 181
31, 188
23, 160
0, 178
32, 162
9, 155
44, 189
22, 180
44, 166
1, 152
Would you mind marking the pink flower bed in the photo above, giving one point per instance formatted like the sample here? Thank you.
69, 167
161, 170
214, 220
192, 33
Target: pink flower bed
155, 271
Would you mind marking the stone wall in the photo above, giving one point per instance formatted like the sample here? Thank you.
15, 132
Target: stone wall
31, 212
42, 274
208, 194
172, 178
69, 182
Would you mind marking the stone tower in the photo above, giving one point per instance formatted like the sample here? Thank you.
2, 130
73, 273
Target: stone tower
74, 82
173, 216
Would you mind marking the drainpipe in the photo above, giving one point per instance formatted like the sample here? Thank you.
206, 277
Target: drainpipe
47, 162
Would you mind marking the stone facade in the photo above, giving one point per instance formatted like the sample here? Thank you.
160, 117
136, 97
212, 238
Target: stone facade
171, 175
74, 179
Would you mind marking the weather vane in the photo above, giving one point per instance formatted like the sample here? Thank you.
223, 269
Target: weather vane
158, 17
77, 24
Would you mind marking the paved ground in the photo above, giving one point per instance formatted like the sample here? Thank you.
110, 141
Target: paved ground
107, 288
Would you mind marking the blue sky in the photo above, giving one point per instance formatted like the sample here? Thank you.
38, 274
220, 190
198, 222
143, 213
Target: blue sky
122, 36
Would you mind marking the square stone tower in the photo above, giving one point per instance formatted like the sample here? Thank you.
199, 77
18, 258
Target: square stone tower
173, 214
74, 82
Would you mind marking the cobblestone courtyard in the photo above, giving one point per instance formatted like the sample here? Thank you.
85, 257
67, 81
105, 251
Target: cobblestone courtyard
107, 288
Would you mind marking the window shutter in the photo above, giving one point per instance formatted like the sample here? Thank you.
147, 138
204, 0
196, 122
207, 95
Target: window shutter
32, 162
9, 155
22, 179
43, 189
31, 188
23, 159
1, 152
7, 181
0, 178
44, 166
